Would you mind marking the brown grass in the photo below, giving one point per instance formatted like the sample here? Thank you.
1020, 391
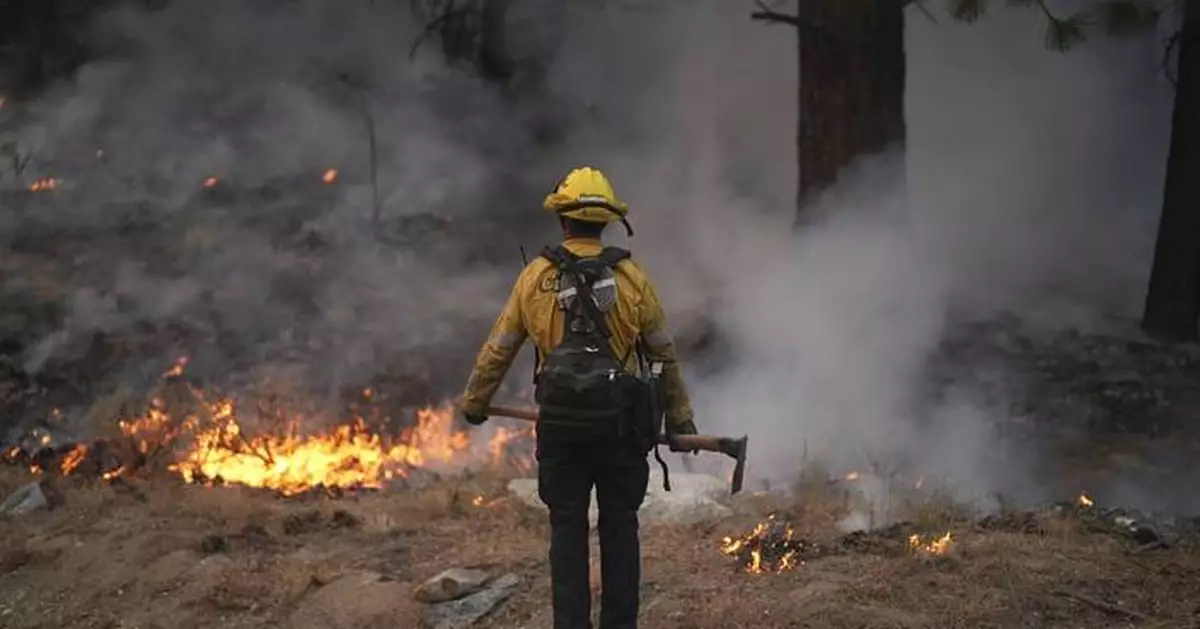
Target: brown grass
112, 557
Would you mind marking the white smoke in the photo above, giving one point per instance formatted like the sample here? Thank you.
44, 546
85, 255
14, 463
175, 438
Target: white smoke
1033, 180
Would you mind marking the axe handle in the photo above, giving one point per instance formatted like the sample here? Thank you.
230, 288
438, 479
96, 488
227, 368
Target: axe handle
706, 443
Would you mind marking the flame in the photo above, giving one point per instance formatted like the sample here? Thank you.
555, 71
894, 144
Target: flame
851, 476
937, 546
201, 438
74, 458
770, 547
330, 175
111, 474
43, 184
176, 370
209, 182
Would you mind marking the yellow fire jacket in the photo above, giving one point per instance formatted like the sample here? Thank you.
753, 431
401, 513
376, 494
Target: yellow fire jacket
532, 312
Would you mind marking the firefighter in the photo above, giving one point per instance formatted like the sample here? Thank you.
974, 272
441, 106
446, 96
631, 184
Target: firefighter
591, 312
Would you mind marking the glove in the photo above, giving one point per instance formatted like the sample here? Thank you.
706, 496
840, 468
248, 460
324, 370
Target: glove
684, 428
473, 419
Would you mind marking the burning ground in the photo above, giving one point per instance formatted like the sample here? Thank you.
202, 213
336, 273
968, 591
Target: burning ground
209, 439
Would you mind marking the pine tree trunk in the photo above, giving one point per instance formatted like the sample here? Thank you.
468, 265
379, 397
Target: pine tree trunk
1173, 299
851, 101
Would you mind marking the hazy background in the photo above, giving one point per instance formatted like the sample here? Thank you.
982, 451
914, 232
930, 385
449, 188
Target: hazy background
1033, 182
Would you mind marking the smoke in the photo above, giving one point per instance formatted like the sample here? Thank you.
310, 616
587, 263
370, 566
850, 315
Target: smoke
1030, 183
270, 267
1033, 182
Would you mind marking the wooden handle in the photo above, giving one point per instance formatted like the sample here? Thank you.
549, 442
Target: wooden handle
706, 443
528, 414
733, 448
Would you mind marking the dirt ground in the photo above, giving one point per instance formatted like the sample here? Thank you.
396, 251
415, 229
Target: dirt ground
158, 554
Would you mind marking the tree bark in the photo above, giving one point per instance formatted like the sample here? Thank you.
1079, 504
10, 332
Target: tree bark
1173, 298
851, 94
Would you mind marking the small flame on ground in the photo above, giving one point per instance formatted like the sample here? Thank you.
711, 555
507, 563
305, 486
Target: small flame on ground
111, 474
937, 546
42, 184
851, 476
1086, 501
210, 182
176, 370
330, 175
770, 547
74, 458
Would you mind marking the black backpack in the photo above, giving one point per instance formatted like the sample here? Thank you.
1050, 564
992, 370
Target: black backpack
582, 389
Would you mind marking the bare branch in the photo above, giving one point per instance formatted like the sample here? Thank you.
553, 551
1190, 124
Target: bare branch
450, 13
767, 14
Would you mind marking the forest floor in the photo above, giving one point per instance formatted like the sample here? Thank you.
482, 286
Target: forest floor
156, 553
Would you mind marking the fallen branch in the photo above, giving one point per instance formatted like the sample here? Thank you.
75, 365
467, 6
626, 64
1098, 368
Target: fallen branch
1101, 605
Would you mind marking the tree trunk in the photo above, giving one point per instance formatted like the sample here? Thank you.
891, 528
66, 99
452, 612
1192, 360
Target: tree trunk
1173, 299
851, 101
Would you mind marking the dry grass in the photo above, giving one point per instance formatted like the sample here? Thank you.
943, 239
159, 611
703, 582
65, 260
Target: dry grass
178, 557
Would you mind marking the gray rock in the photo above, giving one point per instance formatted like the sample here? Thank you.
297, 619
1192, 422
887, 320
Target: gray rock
465, 611
25, 500
693, 497
451, 584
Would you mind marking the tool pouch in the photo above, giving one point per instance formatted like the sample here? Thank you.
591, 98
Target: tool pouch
646, 418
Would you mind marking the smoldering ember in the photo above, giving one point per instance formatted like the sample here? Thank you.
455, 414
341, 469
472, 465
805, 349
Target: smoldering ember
934, 260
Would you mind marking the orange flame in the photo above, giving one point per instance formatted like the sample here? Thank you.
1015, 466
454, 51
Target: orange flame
209, 182
204, 442
330, 175
937, 546
43, 184
1086, 501
176, 370
74, 458
770, 547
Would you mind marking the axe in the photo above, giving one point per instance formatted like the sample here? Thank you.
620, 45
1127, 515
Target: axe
733, 448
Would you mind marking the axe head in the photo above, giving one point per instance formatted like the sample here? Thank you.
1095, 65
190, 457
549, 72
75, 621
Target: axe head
736, 450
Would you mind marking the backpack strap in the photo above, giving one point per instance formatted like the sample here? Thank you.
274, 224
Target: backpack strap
611, 256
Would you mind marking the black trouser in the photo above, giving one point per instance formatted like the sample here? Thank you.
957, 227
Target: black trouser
566, 474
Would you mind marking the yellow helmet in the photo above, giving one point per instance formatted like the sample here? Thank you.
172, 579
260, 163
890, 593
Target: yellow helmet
585, 194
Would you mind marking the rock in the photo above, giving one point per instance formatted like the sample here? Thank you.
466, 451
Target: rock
352, 601
693, 497
451, 584
25, 500
465, 611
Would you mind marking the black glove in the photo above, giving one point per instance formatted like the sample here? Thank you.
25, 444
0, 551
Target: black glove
474, 420
685, 428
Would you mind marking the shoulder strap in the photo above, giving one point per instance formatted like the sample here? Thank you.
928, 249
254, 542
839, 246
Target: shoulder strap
560, 256
611, 256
